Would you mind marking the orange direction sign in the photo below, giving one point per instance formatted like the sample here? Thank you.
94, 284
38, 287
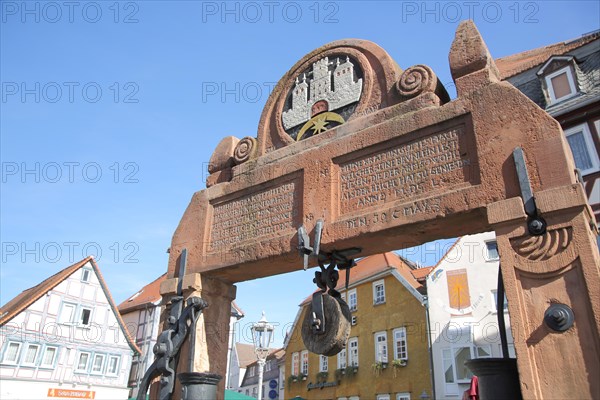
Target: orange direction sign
71, 394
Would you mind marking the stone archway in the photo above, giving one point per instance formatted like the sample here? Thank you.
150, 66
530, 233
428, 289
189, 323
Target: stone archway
401, 163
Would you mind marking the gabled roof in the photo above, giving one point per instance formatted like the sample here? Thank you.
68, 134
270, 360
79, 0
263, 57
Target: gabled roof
277, 354
420, 274
149, 294
373, 266
29, 296
551, 60
245, 354
514, 64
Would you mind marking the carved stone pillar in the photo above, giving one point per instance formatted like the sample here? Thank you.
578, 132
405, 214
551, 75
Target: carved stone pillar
561, 266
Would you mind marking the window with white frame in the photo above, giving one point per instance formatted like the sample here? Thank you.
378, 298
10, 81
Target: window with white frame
352, 300
561, 84
31, 354
354, 398
495, 298
67, 313
383, 397
341, 359
85, 275
583, 149
11, 353
381, 352
269, 365
483, 351
83, 361
113, 365
295, 363
454, 358
98, 364
378, 292
353, 352
304, 362
492, 250
403, 396
49, 356
400, 345
323, 363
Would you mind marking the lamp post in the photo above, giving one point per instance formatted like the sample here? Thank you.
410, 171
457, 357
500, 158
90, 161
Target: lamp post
262, 334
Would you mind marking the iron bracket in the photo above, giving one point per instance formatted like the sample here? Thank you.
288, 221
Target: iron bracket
304, 246
535, 223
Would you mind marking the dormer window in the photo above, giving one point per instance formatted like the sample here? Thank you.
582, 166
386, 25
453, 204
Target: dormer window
561, 84
559, 78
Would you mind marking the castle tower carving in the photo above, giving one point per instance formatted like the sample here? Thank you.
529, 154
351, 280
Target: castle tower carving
332, 88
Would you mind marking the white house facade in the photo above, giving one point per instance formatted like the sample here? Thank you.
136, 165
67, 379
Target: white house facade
461, 293
64, 338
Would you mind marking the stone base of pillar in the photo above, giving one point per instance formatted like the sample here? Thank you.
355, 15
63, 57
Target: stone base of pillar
199, 385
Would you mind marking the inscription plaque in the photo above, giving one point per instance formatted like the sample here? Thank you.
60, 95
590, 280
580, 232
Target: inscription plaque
405, 171
265, 213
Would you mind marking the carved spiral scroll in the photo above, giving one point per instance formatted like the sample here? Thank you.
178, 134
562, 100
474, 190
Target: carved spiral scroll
416, 80
541, 248
245, 150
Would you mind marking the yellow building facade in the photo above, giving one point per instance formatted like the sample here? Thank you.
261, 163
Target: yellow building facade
387, 354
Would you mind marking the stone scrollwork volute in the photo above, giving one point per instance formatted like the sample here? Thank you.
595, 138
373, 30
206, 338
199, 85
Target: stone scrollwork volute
420, 79
544, 247
245, 150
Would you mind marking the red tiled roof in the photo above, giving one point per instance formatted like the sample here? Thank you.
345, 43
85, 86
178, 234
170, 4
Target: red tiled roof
245, 354
273, 353
421, 273
373, 265
31, 295
514, 64
149, 294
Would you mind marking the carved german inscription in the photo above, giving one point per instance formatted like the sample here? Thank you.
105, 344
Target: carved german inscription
405, 171
265, 213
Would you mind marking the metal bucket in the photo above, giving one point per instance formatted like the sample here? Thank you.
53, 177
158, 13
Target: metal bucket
199, 385
498, 378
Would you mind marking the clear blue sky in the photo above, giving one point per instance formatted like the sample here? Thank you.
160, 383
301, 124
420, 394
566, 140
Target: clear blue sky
107, 125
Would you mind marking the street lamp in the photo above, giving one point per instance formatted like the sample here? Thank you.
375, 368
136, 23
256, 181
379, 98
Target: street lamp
262, 334
424, 395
